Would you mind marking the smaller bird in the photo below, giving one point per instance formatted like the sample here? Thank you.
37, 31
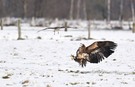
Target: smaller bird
56, 28
94, 53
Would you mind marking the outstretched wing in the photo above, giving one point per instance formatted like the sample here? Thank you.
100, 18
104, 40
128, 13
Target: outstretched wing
100, 50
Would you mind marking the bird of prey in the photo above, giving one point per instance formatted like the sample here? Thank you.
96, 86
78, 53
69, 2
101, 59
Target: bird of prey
94, 53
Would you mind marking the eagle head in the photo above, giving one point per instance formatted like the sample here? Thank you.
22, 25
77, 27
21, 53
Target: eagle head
81, 58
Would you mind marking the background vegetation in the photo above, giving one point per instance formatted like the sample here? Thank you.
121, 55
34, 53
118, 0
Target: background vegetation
89, 9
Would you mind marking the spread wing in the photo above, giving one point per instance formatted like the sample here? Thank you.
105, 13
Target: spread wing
100, 50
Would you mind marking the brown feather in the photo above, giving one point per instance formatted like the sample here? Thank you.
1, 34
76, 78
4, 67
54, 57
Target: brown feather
95, 52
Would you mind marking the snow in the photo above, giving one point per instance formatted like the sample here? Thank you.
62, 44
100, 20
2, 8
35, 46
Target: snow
46, 62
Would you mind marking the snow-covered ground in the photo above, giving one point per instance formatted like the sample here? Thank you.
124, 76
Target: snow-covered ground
43, 59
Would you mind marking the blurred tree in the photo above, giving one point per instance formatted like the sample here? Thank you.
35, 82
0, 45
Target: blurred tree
80, 9
71, 9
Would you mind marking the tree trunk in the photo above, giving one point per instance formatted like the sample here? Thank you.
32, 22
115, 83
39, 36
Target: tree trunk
19, 30
1, 23
71, 9
84, 10
121, 13
65, 26
89, 37
78, 9
108, 10
25, 8
132, 11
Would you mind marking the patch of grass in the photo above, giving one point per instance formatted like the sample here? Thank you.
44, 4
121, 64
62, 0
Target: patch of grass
90, 83
7, 76
48, 86
133, 73
114, 59
25, 82
74, 83
124, 82
39, 37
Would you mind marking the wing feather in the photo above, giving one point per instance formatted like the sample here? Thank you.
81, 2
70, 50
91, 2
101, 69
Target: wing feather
100, 50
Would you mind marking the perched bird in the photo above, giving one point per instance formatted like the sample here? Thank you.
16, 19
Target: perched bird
94, 53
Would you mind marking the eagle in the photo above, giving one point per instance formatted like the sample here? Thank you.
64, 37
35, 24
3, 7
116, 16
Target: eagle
94, 53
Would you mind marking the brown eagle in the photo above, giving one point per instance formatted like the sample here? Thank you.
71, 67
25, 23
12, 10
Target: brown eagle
94, 53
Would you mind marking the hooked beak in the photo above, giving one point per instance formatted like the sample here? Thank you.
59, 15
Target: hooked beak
72, 57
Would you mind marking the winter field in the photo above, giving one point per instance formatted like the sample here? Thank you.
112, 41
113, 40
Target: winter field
43, 59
